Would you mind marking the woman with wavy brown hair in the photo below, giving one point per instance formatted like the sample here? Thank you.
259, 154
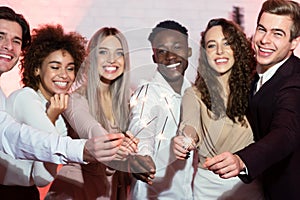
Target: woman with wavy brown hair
213, 110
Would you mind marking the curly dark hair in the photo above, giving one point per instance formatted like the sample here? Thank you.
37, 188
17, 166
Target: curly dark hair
45, 40
239, 80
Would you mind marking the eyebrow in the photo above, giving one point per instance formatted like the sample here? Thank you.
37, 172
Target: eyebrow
109, 49
57, 62
224, 39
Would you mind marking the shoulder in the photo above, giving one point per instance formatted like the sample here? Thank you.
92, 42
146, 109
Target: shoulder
23, 94
148, 88
192, 92
77, 101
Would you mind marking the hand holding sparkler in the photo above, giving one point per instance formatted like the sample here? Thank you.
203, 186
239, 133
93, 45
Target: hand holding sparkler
142, 168
128, 146
183, 143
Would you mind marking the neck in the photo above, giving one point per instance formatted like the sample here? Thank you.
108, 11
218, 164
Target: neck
104, 88
223, 79
177, 85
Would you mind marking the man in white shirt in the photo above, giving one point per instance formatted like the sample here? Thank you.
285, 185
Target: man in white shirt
155, 115
24, 142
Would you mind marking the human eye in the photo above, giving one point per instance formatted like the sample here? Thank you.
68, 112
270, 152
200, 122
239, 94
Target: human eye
17, 41
260, 29
278, 34
103, 52
226, 43
54, 67
120, 53
210, 45
161, 51
71, 68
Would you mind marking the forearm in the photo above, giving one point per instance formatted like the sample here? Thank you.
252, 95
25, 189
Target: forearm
24, 142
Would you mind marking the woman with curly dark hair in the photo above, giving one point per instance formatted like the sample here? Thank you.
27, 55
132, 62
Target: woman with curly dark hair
49, 67
213, 110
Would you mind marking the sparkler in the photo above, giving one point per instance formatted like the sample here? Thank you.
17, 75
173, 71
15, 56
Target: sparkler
171, 111
188, 141
160, 136
145, 126
144, 99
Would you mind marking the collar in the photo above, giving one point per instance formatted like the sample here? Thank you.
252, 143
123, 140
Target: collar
271, 71
159, 79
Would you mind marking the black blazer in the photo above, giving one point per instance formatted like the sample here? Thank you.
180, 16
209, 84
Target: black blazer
274, 116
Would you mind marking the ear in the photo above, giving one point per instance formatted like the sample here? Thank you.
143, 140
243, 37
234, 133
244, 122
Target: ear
190, 52
36, 71
153, 58
295, 43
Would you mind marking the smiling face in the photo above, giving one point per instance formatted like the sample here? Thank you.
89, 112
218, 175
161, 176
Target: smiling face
110, 59
57, 73
171, 53
272, 39
10, 44
218, 51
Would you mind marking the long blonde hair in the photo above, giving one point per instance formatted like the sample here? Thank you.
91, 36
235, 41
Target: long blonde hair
89, 81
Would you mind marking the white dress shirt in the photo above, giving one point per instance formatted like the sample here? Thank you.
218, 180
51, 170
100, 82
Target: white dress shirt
155, 113
34, 114
23, 142
264, 77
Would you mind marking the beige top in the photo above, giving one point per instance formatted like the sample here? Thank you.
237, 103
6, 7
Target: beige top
215, 136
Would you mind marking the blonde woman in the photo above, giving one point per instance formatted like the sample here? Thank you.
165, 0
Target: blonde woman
99, 105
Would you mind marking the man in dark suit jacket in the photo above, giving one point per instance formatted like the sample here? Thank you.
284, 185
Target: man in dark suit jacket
274, 107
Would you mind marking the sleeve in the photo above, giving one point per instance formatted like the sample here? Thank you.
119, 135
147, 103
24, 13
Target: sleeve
24, 142
78, 116
12, 171
283, 137
34, 115
145, 109
190, 115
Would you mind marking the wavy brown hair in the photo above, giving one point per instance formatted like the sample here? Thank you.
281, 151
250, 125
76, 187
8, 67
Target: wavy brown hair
46, 40
239, 80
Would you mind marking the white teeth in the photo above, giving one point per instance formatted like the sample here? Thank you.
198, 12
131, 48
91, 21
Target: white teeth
173, 65
62, 84
221, 60
266, 50
110, 68
5, 56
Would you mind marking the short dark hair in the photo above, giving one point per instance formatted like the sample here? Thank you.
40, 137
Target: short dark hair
283, 7
168, 24
10, 15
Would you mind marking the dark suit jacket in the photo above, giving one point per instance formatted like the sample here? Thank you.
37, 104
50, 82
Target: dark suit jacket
274, 116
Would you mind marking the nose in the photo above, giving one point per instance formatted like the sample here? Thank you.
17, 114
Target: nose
265, 38
7, 44
111, 58
170, 56
63, 73
219, 49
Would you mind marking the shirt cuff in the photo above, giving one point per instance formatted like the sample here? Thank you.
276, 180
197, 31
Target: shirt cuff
73, 150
